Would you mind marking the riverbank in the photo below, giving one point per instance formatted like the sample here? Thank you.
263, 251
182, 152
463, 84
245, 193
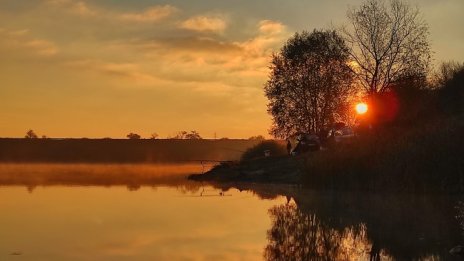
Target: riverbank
277, 170
425, 159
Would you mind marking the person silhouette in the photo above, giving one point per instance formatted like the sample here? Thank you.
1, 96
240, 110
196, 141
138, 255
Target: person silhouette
289, 147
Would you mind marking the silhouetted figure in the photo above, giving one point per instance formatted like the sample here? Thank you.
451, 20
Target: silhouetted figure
289, 147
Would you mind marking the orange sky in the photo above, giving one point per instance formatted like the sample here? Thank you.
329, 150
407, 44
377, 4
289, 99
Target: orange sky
103, 68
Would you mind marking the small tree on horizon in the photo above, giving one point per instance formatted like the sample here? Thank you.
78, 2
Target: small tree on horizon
133, 136
193, 135
184, 135
258, 138
30, 134
154, 136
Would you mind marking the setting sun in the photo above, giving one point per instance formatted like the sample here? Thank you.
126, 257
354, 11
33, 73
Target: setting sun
361, 108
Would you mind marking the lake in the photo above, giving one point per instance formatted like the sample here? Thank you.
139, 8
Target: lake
151, 212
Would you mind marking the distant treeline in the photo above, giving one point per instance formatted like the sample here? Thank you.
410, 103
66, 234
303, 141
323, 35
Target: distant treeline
120, 151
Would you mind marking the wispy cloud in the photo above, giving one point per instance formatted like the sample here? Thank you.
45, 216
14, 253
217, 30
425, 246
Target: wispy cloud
77, 7
271, 27
152, 14
23, 40
126, 71
204, 24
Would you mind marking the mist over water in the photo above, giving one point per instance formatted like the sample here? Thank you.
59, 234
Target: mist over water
151, 212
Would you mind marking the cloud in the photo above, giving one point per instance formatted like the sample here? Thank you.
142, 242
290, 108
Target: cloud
77, 7
42, 47
22, 39
204, 24
271, 27
126, 71
211, 63
152, 14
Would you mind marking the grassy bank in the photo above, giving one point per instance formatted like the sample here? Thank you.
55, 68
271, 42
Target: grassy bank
425, 158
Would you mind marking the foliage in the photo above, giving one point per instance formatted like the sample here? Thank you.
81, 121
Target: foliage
309, 84
133, 136
259, 138
421, 149
154, 136
387, 43
31, 135
452, 92
276, 148
445, 73
184, 135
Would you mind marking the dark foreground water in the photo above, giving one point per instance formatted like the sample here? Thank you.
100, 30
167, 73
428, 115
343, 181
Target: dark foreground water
124, 212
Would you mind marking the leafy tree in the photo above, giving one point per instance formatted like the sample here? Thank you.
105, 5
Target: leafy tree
387, 43
309, 84
30, 134
133, 136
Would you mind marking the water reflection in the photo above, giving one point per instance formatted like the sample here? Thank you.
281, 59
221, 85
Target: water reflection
295, 235
343, 226
360, 226
215, 223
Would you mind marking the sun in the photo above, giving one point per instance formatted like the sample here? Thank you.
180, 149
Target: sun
361, 108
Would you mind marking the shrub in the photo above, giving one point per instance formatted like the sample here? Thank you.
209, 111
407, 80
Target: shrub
276, 148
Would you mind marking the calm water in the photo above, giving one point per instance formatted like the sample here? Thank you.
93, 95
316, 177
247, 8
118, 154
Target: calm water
145, 212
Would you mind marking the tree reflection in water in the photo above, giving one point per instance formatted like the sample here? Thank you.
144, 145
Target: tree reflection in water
295, 235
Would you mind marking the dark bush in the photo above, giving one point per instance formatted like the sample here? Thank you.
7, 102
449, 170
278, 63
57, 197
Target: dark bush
276, 148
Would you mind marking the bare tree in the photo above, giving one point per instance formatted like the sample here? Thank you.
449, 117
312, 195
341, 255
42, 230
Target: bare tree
154, 136
309, 83
31, 135
387, 43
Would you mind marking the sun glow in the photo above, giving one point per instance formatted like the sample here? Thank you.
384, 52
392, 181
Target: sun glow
361, 108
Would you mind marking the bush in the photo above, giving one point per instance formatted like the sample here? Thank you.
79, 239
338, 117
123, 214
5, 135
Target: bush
276, 148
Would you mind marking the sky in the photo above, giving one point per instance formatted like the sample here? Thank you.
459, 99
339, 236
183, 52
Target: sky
104, 68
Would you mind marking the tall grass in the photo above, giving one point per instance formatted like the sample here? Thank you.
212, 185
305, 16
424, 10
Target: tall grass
429, 158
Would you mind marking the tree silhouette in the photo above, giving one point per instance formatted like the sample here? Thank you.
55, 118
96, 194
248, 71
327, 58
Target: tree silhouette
297, 236
154, 136
258, 138
309, 84
193, 135
30, 134
387, 43
133, 136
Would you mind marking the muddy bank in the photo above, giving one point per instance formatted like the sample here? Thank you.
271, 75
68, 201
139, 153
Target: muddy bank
279, 170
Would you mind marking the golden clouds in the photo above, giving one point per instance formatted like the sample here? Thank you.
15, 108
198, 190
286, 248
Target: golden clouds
130, 72
208, 64
271, 27
152, 14
77, 7
204, 24
23, 41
